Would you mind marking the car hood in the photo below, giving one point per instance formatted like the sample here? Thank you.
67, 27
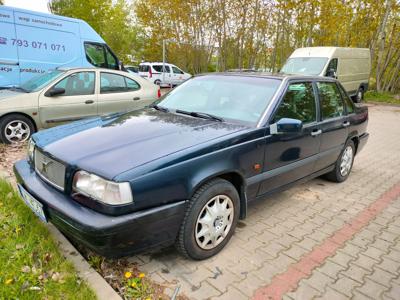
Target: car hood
110, 145
6, 93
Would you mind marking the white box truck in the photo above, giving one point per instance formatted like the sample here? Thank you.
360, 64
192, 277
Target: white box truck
351, 66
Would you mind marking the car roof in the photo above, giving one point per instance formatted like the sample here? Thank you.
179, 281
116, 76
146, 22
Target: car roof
279, 76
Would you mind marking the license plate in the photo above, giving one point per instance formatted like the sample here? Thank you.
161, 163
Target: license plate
34, 205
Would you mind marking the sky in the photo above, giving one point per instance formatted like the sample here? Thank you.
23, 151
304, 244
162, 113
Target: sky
36, 5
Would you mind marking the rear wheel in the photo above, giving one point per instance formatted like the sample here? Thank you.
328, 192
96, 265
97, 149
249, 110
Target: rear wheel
210, 220
15, 128
157, 81
343, 164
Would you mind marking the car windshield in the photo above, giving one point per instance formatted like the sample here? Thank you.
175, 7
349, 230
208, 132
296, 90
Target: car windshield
236, 98
40, 81
304, 65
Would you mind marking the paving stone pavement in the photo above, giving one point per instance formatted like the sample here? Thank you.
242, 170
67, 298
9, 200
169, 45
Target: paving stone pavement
283, 230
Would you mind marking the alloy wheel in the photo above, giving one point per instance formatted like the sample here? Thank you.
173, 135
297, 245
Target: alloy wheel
214, 222
17, 131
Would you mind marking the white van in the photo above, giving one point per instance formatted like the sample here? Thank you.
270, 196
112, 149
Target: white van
153, 71
351, 66
32, 43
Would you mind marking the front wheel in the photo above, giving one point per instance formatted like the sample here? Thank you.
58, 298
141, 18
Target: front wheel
15, 128
343, 164
210, 220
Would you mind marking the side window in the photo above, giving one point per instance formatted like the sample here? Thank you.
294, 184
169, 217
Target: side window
112, 62
332, 67
298, 103
330, 100
100, 56
143, 68
348, 103
95, 54
158, 68
114, 83
176, 70
81, 83
131, 85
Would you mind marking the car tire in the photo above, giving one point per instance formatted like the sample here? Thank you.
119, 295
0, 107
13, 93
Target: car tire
359, 96
212, 203
15, 128
157, 82
343, 164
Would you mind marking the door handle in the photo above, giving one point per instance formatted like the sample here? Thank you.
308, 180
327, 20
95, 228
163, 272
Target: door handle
136, 98
316, 132
345, 124
89, 102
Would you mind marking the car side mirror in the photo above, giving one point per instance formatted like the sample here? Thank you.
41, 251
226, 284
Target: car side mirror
54, 92
286, 126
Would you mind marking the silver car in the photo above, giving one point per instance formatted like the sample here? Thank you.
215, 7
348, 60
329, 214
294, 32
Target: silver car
66, 95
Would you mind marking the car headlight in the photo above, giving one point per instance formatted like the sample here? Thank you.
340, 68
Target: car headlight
109, 192
31, 149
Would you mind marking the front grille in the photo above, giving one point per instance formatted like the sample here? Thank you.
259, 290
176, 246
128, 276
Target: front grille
49, 169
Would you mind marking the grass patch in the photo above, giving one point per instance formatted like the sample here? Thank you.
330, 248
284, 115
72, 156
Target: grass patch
384, 97
31, 265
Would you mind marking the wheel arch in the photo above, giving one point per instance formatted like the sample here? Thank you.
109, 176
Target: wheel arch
353, 136
236, 179
22, 114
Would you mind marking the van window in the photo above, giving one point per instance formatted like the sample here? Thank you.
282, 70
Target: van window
81, 83
114, 83
158, 68
176, 70
298, 103
100, 56
304, 65
330, 100
332, 67
143, 68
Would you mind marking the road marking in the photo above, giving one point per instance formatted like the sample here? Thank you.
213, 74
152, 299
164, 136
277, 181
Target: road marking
288, 280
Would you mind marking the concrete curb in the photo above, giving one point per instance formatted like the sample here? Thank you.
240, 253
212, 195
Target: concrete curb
97, 283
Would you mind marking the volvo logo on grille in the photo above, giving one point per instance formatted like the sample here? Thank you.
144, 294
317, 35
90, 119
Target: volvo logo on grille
45, 165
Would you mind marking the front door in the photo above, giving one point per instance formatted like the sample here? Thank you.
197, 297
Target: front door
118, 93
78, 101
334, 124
290, 157
177, 75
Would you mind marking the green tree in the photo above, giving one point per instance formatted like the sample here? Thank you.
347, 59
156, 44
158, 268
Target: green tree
110, 19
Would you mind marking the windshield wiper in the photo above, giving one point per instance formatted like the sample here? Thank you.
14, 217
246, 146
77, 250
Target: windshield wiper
17, 88
160, 108
198, 114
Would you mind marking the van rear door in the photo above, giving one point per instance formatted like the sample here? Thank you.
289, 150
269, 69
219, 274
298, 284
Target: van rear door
9, 69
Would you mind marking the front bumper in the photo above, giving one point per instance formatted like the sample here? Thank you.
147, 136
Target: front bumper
111, 236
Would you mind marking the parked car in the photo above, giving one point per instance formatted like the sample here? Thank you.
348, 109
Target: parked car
153, 71
351, 66
132, 69
184, 170
66, 95
32, 43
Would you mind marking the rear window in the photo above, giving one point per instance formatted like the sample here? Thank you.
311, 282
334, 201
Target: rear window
143, 68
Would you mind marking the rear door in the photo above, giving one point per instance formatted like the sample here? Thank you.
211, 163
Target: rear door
334, 124
119, 93
291, 157
164, 75
78, 101
9, 64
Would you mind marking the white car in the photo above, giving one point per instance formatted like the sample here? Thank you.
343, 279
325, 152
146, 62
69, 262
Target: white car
153, 71
65, 95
